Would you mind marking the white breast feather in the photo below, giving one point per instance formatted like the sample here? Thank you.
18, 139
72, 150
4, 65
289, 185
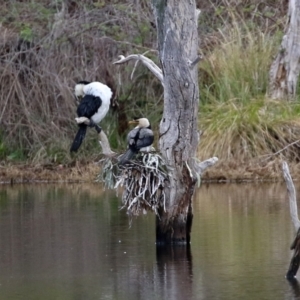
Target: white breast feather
98, 89
105, 93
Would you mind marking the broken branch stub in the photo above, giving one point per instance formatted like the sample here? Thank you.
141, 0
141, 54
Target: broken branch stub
203, 165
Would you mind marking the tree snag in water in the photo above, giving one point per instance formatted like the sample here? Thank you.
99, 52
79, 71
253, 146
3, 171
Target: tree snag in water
179, 137
295, 261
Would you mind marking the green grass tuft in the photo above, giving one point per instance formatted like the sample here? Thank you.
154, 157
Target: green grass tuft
238, 121
247, 130
238, 68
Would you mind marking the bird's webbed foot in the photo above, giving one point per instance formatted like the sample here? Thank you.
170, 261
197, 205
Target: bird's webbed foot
97, 127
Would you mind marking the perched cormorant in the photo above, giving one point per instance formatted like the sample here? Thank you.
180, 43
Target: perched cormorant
139, 137
94, 105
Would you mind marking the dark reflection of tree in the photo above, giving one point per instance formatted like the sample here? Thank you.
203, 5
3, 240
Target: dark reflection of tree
295, 288
175, 271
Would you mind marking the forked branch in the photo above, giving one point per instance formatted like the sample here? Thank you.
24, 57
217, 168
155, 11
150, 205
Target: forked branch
145, 61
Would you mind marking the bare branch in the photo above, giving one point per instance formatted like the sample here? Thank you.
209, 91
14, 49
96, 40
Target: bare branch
202, 166
279, 151
146, 61
291, 144
103, 140
292, 195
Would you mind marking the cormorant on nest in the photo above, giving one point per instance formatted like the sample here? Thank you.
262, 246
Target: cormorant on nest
138, 138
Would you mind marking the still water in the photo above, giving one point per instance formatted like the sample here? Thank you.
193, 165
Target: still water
73, 242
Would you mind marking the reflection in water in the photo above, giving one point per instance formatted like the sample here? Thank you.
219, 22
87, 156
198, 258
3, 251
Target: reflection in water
175, 271
73, 242
295, 288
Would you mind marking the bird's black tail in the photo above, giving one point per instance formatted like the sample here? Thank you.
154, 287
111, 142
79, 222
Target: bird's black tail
79, 137
128, 155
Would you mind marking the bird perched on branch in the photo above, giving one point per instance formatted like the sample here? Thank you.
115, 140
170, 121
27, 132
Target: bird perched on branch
139, 137
94, 104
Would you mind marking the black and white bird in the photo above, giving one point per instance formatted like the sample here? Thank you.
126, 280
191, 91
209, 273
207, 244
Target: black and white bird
139, 137
94, 105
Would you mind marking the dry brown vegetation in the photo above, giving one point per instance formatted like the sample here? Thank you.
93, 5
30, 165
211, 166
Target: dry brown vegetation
46, 46
33, 173
39, 71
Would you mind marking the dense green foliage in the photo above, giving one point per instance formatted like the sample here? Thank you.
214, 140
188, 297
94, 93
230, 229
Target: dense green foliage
46, 46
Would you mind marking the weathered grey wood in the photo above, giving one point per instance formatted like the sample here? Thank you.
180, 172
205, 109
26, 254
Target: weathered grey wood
178, 48
103, 140
292, 195
179, 138
284, 71
295, 261
146, 61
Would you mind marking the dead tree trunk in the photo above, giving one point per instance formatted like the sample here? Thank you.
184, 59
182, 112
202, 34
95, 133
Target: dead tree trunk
179, 138
178, 45
284, 71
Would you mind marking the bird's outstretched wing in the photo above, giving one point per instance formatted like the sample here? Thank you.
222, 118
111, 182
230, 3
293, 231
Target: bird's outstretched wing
88, 106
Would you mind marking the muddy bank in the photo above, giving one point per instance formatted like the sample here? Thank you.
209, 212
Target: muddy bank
87, 172
27, 173
256, 171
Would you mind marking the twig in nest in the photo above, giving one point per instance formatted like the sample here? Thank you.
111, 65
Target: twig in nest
143, 180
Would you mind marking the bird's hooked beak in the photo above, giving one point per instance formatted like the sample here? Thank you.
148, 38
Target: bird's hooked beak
135, 122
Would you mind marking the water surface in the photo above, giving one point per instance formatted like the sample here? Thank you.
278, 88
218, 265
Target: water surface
73, 242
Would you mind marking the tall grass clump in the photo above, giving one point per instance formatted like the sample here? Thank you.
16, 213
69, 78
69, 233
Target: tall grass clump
237, 119
257, 129
237, 69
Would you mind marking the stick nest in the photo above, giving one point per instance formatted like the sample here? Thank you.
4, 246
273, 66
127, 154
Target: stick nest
143, 181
